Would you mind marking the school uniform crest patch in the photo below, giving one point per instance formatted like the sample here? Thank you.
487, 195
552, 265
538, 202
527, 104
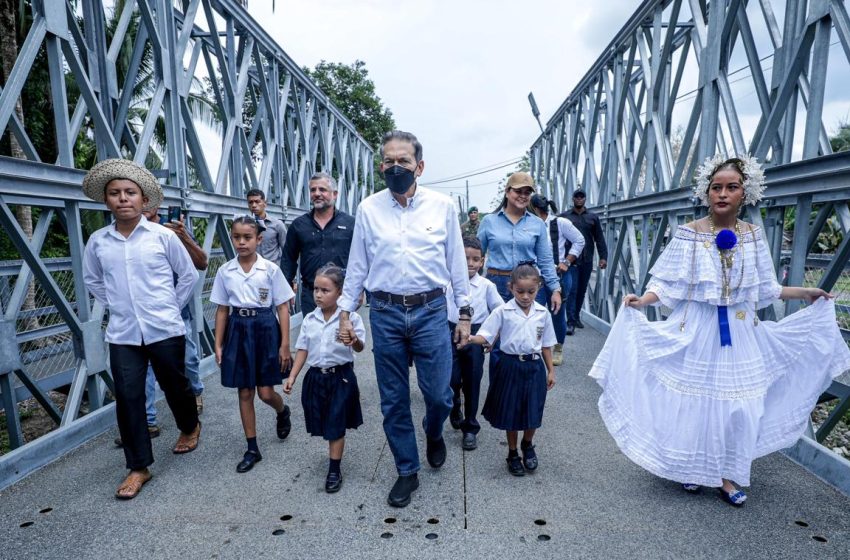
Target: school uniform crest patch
539, 333
264, 295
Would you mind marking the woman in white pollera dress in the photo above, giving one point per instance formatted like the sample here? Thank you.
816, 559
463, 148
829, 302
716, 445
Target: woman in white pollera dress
696, 397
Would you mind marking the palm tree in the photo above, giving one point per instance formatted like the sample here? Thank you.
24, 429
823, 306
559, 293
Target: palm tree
9, 10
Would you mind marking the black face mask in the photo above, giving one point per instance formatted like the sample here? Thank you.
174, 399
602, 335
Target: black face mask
399, 179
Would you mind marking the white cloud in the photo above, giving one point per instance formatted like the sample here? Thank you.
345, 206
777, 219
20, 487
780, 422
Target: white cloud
455, 73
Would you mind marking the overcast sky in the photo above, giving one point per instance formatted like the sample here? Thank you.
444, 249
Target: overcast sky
457, 73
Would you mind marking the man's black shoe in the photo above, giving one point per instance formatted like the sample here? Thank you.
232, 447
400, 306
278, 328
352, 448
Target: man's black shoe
402, 489
333, 482
579, 324
436, 452
571, 330
284, 424
469, 441
247, 463
456, 417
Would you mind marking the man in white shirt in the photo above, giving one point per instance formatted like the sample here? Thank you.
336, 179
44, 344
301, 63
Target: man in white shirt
406, 248
142, 274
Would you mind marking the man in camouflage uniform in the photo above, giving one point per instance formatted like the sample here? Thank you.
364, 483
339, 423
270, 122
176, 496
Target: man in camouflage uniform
470, 227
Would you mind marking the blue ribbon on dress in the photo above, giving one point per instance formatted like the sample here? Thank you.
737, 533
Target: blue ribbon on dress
723, 323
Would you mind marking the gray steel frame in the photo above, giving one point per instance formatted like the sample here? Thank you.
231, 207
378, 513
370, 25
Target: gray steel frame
612, 136
294, 132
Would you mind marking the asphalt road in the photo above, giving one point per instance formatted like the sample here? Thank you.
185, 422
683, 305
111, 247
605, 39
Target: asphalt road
586, 500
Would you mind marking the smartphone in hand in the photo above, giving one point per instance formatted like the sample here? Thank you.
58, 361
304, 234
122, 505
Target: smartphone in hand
174, 213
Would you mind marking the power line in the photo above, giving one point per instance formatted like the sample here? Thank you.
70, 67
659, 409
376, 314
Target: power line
496, 182
472, 174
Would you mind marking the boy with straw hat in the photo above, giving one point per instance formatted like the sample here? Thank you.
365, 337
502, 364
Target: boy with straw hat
130, 266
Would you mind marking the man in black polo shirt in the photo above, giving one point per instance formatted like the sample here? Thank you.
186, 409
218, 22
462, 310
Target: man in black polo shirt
315, 239
588, 224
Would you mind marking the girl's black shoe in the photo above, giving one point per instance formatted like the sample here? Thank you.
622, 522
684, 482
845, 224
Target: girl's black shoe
515, 466
333, 482
529, 458
284, 424
247, 463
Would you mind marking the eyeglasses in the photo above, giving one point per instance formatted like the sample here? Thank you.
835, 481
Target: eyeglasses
525, 191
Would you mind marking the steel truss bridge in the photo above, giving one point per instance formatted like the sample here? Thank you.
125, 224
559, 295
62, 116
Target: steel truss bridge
616, 136
124, 79
128, 85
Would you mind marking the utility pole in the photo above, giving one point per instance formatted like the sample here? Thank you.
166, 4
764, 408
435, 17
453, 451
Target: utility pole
467, 194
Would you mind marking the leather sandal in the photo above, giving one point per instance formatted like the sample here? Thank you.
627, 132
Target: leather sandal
187, 442
132, 485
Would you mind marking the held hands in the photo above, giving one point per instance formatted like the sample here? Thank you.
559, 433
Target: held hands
563, 267
347, 338
461, 334
346, 330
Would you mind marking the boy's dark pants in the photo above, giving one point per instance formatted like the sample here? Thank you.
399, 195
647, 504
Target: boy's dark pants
467, 370
129, 369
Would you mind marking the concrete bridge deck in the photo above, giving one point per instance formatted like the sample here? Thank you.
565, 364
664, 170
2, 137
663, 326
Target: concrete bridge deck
586, 500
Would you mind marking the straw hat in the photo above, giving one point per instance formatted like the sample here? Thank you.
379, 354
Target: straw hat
101, 174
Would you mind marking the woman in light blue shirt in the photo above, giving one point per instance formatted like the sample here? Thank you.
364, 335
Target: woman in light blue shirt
512, 235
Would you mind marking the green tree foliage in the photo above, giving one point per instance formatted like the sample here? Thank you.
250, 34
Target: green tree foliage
831, 236
841, 140
349, 87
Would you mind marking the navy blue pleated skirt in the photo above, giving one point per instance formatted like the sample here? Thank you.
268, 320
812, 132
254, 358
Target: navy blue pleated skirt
516, 395
250, 355
331, 402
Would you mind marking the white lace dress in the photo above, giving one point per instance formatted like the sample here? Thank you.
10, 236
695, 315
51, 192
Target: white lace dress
686, 408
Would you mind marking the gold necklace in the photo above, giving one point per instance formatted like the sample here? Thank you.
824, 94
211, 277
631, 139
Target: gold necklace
727, 260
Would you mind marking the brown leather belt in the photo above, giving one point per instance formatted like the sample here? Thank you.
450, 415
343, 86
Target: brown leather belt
497, 272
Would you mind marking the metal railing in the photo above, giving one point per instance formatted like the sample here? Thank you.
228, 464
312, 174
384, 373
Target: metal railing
667, 92
128, 84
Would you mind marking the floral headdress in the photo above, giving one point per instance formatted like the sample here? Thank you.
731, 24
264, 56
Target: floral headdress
748, 166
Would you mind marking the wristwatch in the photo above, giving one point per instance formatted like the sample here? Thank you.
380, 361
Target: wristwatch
466, 311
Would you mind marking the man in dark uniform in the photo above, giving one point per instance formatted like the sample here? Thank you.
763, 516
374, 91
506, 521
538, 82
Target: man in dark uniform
323, 236
588, 224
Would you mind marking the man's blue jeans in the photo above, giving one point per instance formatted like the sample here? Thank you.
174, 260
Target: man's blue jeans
420, 332
565, 315
193, 372
569, 289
